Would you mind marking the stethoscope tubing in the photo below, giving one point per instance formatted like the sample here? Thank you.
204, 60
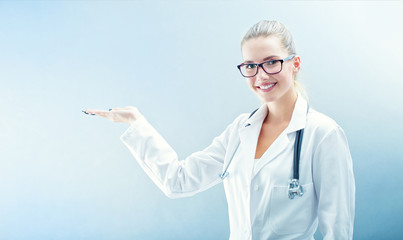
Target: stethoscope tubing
297, 152
225, 173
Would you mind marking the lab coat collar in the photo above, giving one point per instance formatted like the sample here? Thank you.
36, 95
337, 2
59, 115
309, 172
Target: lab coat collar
258, 116
298, 118
297, 122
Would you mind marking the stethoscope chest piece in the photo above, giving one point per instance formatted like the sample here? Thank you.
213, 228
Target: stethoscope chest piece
294, 189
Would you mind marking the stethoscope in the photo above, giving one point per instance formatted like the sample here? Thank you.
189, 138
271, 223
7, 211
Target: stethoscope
294, 188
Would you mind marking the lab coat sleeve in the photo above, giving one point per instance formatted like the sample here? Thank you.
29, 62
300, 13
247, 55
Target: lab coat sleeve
334, 185
176, 178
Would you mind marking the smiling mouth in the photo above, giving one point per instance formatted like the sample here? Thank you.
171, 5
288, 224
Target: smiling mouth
267, 86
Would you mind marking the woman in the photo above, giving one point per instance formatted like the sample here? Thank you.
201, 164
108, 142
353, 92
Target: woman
254, 156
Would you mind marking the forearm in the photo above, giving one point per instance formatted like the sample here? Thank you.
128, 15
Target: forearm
174, 177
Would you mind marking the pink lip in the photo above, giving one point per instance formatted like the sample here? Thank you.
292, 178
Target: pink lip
266, 84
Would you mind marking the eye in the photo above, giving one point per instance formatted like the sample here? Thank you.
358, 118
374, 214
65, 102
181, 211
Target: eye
250, 66
272, 62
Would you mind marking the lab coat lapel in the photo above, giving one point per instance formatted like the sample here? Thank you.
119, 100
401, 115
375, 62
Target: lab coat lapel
248, 137
249, 134
273, 151
297, 122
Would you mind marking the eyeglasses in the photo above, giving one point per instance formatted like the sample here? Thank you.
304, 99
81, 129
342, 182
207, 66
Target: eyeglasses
270, 67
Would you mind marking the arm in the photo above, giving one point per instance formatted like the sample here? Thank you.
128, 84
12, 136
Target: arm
176, 178
334, 185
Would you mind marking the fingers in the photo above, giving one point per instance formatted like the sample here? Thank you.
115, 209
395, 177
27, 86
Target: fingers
94, 111
101, 113
127, 114
85, 111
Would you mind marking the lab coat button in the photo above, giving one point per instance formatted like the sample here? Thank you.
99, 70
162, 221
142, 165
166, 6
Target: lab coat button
256, 187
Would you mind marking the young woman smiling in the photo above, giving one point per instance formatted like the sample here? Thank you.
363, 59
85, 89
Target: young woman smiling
278, 185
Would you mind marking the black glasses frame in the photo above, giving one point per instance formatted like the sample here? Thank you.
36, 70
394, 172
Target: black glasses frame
261, 66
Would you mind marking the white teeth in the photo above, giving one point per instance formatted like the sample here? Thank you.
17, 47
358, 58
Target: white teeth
267, 87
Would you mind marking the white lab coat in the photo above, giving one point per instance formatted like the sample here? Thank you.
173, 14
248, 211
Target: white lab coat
257, 190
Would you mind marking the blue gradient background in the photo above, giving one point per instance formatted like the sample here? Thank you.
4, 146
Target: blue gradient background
66, 175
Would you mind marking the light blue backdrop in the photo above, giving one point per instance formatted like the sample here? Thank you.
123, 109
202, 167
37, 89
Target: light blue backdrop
66, 175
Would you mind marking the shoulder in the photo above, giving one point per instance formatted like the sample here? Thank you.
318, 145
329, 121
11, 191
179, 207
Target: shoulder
327, 139
321, 125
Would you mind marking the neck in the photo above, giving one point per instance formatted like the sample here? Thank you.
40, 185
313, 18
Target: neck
281, 110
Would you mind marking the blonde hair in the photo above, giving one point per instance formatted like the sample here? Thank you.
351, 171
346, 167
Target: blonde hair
266, 28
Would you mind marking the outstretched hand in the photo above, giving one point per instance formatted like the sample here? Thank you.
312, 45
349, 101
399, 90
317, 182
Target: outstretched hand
127, 114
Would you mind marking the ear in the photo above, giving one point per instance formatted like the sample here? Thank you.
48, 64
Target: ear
296, 64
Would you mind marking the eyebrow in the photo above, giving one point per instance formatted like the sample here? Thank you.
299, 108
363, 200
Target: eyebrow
265, 59
271, 57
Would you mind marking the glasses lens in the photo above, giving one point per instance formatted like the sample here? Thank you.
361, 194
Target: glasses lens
272, 67
248, 70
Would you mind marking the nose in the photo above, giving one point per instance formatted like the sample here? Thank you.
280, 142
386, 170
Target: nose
261, 74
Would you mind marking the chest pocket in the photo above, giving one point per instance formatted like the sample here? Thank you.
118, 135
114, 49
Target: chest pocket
292, 216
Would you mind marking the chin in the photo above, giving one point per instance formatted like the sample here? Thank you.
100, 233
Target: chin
267, 99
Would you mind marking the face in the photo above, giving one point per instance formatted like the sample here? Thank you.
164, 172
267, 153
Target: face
276, 87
